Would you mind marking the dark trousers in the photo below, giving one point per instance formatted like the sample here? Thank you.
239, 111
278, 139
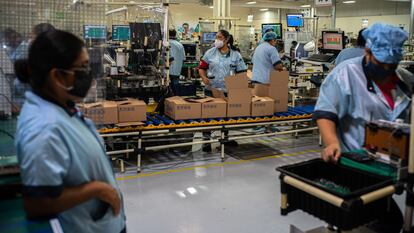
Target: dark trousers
174, 83
207, 134
391, 222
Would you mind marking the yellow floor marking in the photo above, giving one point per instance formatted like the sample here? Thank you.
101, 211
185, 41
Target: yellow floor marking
213, 165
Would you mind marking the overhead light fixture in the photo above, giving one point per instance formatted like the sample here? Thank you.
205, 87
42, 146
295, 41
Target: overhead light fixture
264, 9
124, 8
250, 3
305, 6
348, 2
249, 18
211, 7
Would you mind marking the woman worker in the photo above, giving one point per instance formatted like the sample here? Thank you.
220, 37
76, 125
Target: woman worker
360, 90
64, 168
219, 62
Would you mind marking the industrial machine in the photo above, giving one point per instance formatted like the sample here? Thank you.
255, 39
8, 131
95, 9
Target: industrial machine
135, 62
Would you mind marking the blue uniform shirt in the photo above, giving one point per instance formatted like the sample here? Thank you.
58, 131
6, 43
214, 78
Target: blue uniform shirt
264, 59
178, 53
350, 99
57, 150
349, 53
220, 65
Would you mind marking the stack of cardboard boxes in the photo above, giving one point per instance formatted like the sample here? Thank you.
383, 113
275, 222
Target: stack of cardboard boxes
240, 101
114, 112
278, 90
239, 95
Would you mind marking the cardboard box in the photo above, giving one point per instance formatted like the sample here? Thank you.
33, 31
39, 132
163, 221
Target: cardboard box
216, 108
238, 81
105, 112
132, 110
262, 106
278, 89
238, 109
239, 95
179, 109
212, 107
238, 102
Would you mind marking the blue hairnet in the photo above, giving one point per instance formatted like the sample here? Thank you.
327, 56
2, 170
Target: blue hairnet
269, 36
385, 42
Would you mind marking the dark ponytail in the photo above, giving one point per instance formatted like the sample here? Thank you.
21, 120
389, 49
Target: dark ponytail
52, 49
230, 40
21, 69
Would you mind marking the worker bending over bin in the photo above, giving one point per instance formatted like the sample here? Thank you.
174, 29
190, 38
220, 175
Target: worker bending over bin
360, 90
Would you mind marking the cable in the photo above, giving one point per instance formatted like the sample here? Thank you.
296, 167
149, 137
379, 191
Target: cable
7, 133
15, 107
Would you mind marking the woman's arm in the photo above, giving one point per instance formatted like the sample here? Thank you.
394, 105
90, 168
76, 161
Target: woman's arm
37, 207
332, 151
203, 75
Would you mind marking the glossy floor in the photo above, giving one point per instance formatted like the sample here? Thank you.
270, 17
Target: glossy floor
199, 194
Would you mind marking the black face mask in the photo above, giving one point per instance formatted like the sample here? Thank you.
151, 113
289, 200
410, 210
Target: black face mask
377, 72
83, 82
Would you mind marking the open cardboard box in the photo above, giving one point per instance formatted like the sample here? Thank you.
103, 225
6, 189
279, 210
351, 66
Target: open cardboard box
262, 106
105, 112
178, 108
239, 95
131, 110
278, 90
212, 107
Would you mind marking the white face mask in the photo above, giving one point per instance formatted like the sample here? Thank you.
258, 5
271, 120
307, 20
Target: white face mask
218, 44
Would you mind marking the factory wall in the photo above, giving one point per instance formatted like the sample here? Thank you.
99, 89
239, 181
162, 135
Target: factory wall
191, 14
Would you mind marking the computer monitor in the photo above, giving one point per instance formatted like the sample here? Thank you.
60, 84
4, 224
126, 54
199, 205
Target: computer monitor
294, 20
333, 41
94, 32
275, 27
121, 32
208, 37
190, 50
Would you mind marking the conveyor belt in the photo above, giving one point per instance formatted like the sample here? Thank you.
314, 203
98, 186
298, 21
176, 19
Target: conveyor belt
155, 121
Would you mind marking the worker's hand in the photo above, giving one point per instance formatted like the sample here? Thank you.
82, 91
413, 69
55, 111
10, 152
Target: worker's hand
331, 153
108, 194
206, 81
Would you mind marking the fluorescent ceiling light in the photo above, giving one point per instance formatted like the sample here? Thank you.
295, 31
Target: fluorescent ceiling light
264, 9
305, 6
349, 2
211, 7
250, 3
124, 8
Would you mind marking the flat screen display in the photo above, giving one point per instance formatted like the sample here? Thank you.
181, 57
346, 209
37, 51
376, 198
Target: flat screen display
94, 32
121, 32
332, 41
294, 20
275, 27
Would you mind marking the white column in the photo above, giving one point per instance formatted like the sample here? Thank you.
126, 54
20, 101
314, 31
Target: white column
333, 20
222, 9
279, 13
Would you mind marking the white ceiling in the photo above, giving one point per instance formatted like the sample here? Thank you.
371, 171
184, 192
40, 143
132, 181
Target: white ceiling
284, 4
